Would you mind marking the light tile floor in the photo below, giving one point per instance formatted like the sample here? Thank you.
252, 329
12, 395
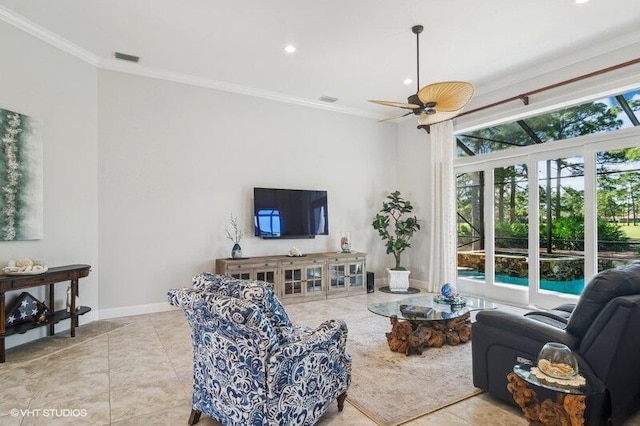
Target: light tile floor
138, 371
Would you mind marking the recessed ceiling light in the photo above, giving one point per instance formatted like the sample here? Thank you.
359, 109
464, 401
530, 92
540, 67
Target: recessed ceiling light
290, 48
407, 81
581, 1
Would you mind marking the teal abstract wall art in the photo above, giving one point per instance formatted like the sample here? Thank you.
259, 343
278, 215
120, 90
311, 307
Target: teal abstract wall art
21, 195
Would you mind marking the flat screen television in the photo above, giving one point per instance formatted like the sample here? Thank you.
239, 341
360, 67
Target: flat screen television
290, 213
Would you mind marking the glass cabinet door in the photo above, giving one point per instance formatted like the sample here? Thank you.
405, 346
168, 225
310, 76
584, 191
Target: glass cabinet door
336, 277
356, 275
314, 279
268, 276
245, 275
292, 281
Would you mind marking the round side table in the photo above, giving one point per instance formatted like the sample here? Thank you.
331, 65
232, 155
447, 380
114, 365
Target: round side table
568, 407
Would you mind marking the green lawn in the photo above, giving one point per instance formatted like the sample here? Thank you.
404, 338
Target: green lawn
632, 232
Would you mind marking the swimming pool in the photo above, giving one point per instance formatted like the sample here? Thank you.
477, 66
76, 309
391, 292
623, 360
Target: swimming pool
567, 287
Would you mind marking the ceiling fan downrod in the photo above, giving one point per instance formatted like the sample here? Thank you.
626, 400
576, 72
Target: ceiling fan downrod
417, 29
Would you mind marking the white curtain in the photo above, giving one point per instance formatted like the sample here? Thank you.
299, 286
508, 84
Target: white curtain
441, 261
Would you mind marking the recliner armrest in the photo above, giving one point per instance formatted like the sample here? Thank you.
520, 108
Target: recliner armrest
549, 317
525, 327
567, 307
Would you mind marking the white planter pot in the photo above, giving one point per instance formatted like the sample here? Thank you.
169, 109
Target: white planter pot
398, 281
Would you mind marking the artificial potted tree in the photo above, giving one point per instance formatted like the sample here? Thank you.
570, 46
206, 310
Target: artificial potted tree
395, 213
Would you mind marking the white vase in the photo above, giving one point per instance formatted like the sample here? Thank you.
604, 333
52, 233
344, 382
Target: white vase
398, 281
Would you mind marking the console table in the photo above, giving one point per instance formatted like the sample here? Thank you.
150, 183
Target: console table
51, 277
312, 276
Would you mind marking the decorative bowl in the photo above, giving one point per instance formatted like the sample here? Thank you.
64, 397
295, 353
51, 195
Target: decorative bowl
557, 360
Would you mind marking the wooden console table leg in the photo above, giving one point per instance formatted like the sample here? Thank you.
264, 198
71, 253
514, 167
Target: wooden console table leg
52, 327
74, 315
2, 325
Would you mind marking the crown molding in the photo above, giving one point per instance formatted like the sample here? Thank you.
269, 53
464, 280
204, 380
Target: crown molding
141, 70
65, 45
47, 36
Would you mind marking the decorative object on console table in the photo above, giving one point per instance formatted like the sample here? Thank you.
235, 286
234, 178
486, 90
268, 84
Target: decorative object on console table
25, 266
24, 309
398, 240
77, 301
235, 235
54, 275
345, 242
294, 252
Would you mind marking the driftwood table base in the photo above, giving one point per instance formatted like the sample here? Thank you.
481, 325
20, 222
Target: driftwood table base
567, 410
412, 337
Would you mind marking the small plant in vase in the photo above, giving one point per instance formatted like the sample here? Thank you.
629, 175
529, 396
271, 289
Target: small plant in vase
235, 235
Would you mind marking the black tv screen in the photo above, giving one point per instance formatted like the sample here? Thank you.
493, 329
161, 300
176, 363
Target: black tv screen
290, 213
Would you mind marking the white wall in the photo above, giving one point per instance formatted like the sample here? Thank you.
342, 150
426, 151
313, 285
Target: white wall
414, 183
41, 81
176, 160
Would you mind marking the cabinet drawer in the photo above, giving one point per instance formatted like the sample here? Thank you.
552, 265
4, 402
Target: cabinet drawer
302, 262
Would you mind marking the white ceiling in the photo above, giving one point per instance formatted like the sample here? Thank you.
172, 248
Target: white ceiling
353, 50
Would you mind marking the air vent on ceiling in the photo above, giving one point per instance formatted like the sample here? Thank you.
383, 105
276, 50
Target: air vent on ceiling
125, 57
329, 99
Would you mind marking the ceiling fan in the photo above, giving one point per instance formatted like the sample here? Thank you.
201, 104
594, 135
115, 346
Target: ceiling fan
435, 102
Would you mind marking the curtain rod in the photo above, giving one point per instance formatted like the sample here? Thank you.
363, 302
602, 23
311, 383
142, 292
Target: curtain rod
524, 97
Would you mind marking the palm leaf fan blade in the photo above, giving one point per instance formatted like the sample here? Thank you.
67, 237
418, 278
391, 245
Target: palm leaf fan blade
394, 117
396, 104
429, 119
447, 95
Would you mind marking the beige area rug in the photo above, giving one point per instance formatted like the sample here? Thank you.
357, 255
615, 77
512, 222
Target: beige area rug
389, 387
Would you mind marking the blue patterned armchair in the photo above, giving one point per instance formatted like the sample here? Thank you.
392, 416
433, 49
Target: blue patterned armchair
252, 366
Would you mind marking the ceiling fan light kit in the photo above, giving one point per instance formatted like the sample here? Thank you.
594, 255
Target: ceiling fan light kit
435, 102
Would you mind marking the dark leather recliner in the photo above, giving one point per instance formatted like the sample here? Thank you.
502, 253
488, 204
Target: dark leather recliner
603, 330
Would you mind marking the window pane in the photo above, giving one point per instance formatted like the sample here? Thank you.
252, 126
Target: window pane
618, 192
470, 225
561, 187
511, 225
602, 115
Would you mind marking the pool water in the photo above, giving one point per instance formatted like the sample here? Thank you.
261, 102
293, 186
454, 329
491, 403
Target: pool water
567, 287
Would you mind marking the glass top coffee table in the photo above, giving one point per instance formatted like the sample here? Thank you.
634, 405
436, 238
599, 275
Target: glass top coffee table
425, 308
427, 322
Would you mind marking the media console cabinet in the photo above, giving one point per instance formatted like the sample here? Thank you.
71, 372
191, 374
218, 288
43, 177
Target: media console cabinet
301, 278
51, 277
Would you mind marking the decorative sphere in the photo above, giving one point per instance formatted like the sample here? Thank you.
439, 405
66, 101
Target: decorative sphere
557, 360
448, 291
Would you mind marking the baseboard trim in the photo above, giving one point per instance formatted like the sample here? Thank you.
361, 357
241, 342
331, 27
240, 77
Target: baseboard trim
127, 311
381, 282
152, 308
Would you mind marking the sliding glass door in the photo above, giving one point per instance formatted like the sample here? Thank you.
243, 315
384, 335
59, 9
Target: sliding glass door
533, 228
